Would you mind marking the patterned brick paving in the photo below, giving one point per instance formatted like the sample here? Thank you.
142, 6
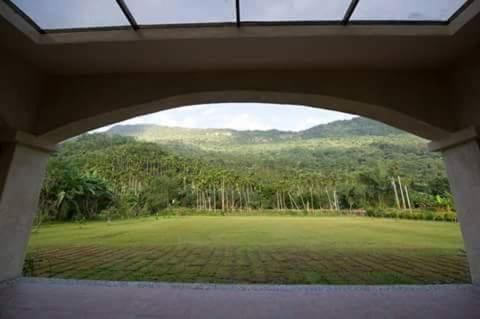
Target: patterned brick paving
241, 265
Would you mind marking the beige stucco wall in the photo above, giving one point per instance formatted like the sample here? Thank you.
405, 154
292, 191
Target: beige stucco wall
20, 92
22, 169
418, 102
466, 88
426, 103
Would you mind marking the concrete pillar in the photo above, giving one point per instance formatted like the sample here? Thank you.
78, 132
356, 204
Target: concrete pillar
22, 167
461, 153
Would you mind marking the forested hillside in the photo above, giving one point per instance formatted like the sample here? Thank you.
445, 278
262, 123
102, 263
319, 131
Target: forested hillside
346, 128
136, 169
340, 148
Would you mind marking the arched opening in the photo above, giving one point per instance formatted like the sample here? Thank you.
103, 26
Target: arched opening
58, 85
348, 202
121, 110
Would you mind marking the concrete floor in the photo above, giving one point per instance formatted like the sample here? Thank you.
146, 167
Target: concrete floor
46, 298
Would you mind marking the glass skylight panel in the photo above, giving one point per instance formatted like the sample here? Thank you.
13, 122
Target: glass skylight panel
73, 14
406, 10
293, 10
158, 12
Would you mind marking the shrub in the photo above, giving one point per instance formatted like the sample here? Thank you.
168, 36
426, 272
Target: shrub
180, 211
376, 213
413, 215
70, 194
379, 213
450, 217
429, 216
370, 212
407, 215
422, 200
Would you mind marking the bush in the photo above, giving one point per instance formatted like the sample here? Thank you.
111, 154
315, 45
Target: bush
370, 212
69, 194
413, 215
450, 217
389, 215
429, 216
375, 212
422, 200
262, 212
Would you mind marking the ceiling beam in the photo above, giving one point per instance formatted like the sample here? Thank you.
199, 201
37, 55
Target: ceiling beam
25, 16
128, 14
237, 12
350, 10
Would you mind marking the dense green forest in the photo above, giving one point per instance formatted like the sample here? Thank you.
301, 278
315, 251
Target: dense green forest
143, 169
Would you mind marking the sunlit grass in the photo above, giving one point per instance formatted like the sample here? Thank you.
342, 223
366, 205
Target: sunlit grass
326, 233
268, 250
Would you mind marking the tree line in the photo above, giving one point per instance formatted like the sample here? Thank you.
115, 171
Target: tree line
114, 175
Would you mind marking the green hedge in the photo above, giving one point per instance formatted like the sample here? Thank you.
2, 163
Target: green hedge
415, 214
375, 212
258, 212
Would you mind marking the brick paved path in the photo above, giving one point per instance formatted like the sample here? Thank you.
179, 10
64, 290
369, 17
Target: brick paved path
253, 265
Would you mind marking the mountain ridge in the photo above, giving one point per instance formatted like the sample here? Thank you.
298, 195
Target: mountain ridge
343, 128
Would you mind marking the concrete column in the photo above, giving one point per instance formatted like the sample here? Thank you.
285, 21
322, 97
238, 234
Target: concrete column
22, 167
461, 153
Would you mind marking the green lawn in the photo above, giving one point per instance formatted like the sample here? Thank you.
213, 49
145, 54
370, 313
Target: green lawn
331, 250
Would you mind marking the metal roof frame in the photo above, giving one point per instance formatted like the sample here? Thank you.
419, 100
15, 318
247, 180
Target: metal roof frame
346, 20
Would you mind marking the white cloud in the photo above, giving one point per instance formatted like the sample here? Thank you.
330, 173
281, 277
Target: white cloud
247, 121
241, 116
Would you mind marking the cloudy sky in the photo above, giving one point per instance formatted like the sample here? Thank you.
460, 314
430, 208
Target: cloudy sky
54, 14
241, 116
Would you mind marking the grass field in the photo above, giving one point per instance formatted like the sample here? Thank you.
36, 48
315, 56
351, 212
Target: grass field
290, 250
